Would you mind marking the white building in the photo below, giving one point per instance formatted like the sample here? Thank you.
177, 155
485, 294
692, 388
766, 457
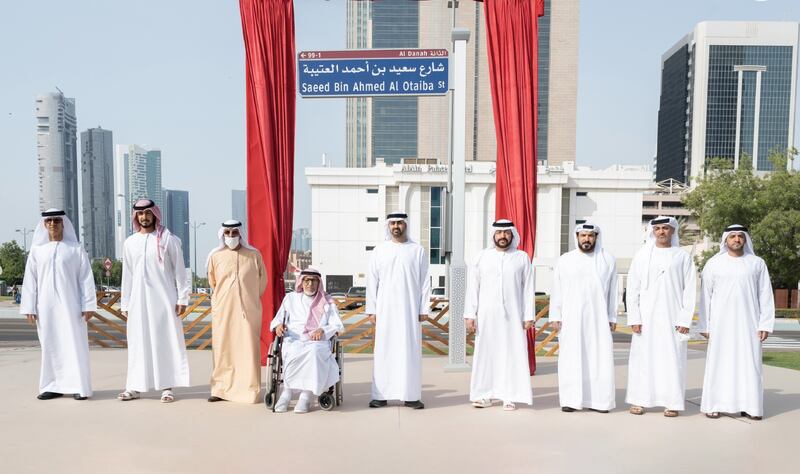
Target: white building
728, 89
57, 154
137, 174
349, 205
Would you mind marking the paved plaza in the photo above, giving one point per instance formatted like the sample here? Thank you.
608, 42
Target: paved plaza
105, 435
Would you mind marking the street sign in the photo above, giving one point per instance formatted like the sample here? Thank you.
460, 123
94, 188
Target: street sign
107, 264
373, 72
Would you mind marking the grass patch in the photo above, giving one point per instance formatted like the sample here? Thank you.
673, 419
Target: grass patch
787, 360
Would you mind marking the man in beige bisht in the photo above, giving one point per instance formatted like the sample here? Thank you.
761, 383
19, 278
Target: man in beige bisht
237, 278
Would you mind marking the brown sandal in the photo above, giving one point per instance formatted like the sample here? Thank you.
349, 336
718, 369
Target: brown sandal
670, 413
636, 410
751, 417
714, 415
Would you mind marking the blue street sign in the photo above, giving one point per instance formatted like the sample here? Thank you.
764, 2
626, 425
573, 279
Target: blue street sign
368, 73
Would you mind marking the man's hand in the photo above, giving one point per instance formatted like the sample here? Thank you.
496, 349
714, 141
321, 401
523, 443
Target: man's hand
637, 328
422, 317
179, 309
527, 325
87, 315
472, 325
31, 319
556, 326
612, 326
280, 330
704, 334
317, 335
681, 329
763, 335
371, 318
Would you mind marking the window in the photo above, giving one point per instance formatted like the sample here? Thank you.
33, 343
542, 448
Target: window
580, 221
581, 193
372, 219
372, 190
436, 231
370, 247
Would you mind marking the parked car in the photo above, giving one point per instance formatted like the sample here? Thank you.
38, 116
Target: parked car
356, 292
439, 293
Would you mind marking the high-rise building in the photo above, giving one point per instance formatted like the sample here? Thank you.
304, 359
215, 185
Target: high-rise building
301, 240
57, 154
97, 186
239, 208
137, 174
176, 218
408, 127
727, 90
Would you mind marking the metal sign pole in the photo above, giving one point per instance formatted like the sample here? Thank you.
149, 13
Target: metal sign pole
456, 348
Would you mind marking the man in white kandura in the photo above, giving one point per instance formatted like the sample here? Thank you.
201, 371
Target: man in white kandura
307, 319
499, 308
583, 307
58, 296
155, 291
737, 313
397, 302
661, 297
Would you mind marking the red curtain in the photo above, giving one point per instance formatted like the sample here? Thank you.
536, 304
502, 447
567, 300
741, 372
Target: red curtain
268, 29
511, 36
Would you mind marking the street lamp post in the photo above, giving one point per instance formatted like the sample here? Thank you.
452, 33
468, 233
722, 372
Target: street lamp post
25, 231
195, 225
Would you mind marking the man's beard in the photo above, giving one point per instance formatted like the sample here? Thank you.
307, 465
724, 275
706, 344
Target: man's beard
502, 243
149, 224
587, 247
397, 232
307, 293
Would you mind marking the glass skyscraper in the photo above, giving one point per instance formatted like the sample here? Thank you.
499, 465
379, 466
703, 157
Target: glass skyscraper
727, 91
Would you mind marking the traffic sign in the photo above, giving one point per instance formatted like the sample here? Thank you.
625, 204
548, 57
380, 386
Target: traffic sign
373, 72
107, 264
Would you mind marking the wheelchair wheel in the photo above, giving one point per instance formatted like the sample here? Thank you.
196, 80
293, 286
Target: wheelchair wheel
326, 401
269, 400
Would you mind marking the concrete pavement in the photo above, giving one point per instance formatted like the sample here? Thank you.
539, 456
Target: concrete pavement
194, 436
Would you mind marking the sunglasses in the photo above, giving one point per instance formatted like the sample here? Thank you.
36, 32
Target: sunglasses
53, 220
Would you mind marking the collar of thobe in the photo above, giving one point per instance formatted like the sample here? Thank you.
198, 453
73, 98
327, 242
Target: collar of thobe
221, 237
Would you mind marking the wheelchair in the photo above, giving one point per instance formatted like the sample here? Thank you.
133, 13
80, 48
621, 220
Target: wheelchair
327, 400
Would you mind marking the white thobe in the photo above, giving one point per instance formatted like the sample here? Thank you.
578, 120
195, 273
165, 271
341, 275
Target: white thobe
307, 365
659, 300
585, 302
397, 294
500, 297
58, 287
736, 302
150, 292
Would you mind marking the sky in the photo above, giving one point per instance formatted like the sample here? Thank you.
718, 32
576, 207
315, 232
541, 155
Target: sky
170, 75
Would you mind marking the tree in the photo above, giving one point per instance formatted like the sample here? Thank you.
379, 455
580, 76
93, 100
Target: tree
100, 273
769, 205
12, 260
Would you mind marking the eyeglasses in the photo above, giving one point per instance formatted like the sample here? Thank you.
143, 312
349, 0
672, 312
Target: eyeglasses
231, 233
53, 220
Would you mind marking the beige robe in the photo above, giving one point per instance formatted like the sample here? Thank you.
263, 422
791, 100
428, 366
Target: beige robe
237, 278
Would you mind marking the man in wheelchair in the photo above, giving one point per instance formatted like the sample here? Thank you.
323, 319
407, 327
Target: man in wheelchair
307, 319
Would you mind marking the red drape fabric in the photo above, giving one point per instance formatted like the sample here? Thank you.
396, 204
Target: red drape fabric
268, 30
511, 36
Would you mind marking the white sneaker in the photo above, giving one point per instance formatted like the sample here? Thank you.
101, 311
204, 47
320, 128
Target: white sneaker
282, 405
482, 403
303, 402
509, 406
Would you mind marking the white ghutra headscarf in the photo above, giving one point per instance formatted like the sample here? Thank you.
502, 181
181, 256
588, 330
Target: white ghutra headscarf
229, 224
395, 217
603, 262
41, 236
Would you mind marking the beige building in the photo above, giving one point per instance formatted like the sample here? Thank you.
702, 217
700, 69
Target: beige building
393, 129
